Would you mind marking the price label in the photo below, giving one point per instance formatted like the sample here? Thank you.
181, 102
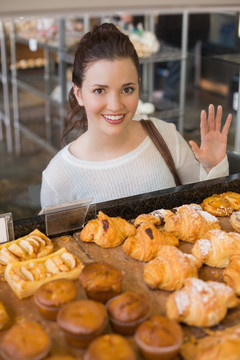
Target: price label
6, 228
33, 45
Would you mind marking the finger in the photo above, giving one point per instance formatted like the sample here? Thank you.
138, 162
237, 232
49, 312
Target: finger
218, 118
227, 124
211, 117
203, 123
195, 147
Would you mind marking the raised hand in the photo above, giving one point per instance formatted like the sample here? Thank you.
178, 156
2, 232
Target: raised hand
213, 140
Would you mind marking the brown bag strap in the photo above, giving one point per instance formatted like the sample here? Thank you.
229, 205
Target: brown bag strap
162, 147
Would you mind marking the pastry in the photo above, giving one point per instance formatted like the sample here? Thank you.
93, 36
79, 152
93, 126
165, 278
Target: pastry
101, 281
26, 277
235, 220
222, 204
146, 243
169, 269
218, 345
201, 303
189, 222
82, 321
107, 231
108, 347
25, 341
50, 297
4, 317
216, 247
159, 338
147, 218
126, 311
31, 246
231, 275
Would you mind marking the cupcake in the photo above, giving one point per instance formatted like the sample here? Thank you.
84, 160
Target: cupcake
101, 281
82, 321
51, 296
25, 341
159, 338
108, 347
126, 311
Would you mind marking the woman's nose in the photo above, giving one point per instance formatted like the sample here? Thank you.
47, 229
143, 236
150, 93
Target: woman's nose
115, 102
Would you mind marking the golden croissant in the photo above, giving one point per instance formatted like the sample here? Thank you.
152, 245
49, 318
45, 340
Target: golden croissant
107, 231
216, 247
146, 243
218, 345
189, 222
231, 275
169, 269
201, 303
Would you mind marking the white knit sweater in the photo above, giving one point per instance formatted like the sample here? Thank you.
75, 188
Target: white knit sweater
142, 170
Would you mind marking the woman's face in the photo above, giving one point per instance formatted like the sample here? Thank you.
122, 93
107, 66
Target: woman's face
109, 93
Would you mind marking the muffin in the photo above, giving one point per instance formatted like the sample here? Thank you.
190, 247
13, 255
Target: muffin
101, 281
25, 341
108, 347
51, 296
159, 338
82, 321
126, 311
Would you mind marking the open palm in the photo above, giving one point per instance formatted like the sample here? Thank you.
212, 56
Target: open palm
213, 141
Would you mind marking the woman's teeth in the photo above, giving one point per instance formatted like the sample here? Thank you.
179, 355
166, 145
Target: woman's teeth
112, 117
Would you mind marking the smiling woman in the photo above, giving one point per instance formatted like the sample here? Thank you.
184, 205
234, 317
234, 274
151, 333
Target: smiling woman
114, 157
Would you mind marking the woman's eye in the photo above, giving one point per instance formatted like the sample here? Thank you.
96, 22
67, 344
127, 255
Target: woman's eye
98, 91
128, 90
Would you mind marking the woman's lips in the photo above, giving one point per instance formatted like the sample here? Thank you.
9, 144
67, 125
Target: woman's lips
114, 119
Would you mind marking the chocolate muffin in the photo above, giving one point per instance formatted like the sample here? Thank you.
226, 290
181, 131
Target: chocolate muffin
51, 296
82, 321
101, 281
25, 341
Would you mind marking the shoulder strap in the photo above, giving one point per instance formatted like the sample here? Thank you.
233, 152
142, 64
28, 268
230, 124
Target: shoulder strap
162, 147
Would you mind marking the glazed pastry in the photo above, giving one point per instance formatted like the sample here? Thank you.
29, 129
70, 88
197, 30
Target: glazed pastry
169, 269
231, 275
189, 222
235, 220
222, 204
201, 303
234, 199
4, 317
26, 277
107, 231
146, 243
31, 246
220, 345
216, 247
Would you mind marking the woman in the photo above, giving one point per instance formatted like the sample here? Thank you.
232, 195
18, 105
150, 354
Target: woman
114, 157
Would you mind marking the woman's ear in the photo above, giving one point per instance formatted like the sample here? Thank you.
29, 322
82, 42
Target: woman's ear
78, 94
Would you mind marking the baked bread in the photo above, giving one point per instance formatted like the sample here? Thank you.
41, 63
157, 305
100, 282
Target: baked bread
222, 204
107, 231
169, 269
4, 317
190, 223
26, 277
231, 274
235, 220
220, 345
216, 247
201, 303
32, 246
147, 218
146, 243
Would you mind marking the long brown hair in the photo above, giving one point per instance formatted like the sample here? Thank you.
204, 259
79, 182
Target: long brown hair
103, 42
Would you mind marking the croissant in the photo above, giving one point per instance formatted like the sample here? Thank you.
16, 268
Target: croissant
231, 275
145, 244
107, 231
147, 218
222, 204
219, 345
169, 269
189, 222
26, 277
201, 303
216, 247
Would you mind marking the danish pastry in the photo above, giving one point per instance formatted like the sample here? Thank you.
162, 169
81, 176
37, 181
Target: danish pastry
169, 269
146, 243
231, 275
235, 220
201, 303
222, 204
107, 231
189, 222
216, 247
31, 246
26, 277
